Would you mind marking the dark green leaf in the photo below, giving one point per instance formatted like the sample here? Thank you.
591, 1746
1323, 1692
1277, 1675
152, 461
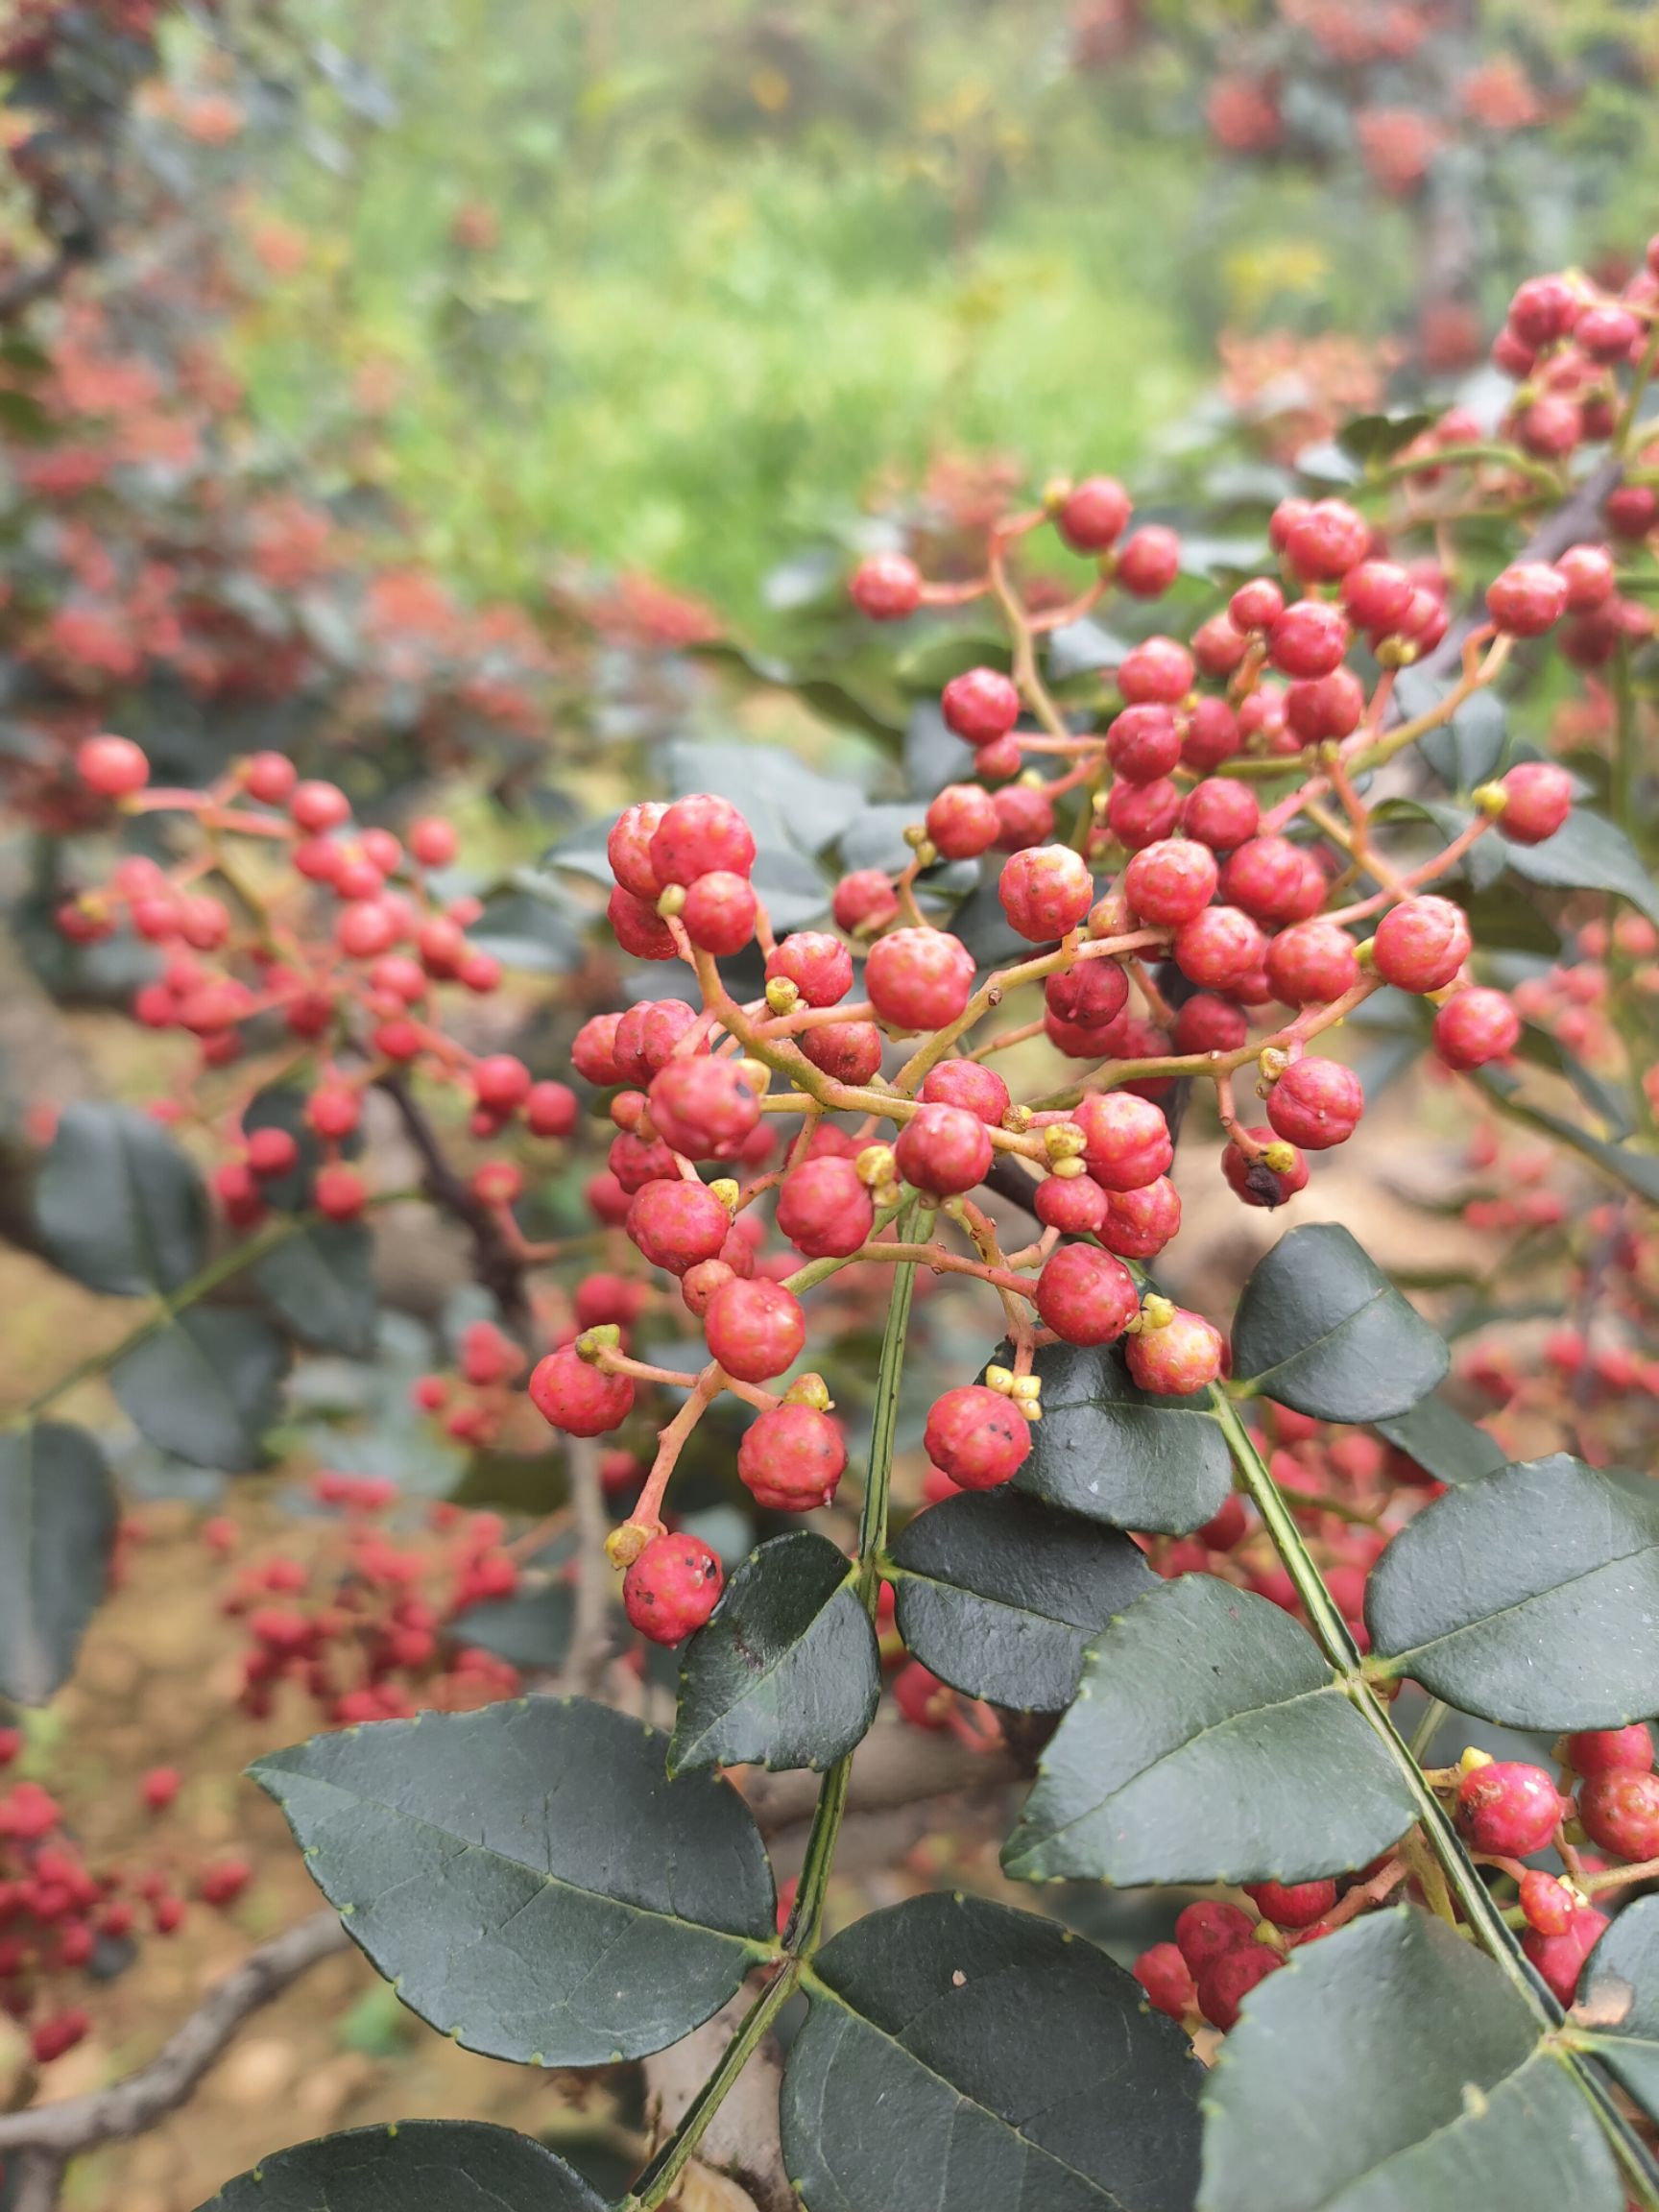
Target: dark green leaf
57, 1516
1465, 752
787, 1674
204, 1386
1320, 1328
1082, 648
784, 801
1114, 1453
967, 2058
322, 1281
531, 1631
1539, 1047
1528, 1596
1209, 1742
530, 927
1619, 2001
1504, 918
1392, 2068
1638, 1171
1442, 1442
283, 1106
432, 2165
1374, 438
119, 1207
529, 1876
1587, 853
999, 1595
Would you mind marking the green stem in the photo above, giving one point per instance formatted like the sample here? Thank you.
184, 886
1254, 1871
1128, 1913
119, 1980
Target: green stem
801, 1934
659, 2178
1330, 1629
1423, 1735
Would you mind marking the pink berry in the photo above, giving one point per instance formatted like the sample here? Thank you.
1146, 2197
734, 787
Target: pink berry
1169, 882
339, 1192
316, 807
1150, 562
1421, 943
1185, 1356
1560, 1959
1092, 994
160, 1787
113, 767
1310, 638
1611, 1750
1619, 1811
1167, 1980
962, 822
1139, 814
1085, 1295
677, 1224
919, 978
1210, 1930
1140, 1223
699, 835
818, 965
1526, 600
1328, 707
1378, 596
849, 1051
976, 1435
864, 901
432, 842
980, 706
1588, 574
1477, 1026
1211, 735
1219, 947
647, 1035
575, 1396
823, 1210
970, 1084
1207, 1023
790, 1458
1143, 744
1024, 816
1327, 542
1126, 1139
1257, 605
1094, 515
628, 848
1508, 1809
271, 1153
719, 912
638, 927
754, 1330
1548, 1902
1223, 1987
1073, 1204
1291, 1905
1157, 672
1250, 1178
1045, 891
702, 1107
886, 587
1537, 799
500, 1082
1543, 308
1221, 813
1273, 880
944, 1151
671, 1589
269, 778
1316, 1104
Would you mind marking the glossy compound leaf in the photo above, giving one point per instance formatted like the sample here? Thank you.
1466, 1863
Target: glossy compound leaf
118, 1206
204, 1386
1393, 2068
787, 1674
1442, 1442
57, 1517
962, 2058
322, 1281
999, 1595
1618, 2007
432, 2165
1209, 1742
1320, 1328
1371, 440
529, 1877
1528, 1596
1112, 1452
1588, 853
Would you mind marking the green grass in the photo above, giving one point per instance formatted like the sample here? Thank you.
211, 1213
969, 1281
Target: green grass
688, 351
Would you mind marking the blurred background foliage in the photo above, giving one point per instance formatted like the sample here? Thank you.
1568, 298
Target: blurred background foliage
671, 288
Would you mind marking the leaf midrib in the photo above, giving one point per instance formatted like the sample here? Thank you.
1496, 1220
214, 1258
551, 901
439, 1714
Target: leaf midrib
816, 1987
1448, 1636
548, 1880
790, 1653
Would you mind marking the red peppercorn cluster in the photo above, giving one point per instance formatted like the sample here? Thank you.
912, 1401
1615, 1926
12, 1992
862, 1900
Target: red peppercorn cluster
65, 1923
332, 937
373, 1630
